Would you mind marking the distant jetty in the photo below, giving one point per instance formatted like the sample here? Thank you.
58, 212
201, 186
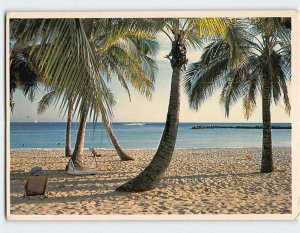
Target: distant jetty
237, 127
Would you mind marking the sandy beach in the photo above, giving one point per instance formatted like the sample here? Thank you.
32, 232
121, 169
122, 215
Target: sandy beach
198, 181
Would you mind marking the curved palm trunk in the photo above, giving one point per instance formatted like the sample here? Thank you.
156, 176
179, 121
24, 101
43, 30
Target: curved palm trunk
154, 172
77, 155
123, 156
267, 164
150, 177
68, 151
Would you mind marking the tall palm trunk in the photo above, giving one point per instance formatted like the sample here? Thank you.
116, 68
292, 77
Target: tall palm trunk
150, 177
123, 156
77, 155
267, 164
68, 151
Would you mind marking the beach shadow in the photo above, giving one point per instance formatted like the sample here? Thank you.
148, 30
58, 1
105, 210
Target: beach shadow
213, 176
78, 188
88, 181
59, 179
40, 164
61, 176
67, 199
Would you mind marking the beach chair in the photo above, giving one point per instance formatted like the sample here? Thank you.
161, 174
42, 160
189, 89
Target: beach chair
75, 171
36, 186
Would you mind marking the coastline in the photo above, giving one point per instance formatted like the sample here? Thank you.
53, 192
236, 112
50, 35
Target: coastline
136, 149
198, 181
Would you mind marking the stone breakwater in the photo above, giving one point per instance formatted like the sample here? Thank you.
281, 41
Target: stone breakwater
237, 127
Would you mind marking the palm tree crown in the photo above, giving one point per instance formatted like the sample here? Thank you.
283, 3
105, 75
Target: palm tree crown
238, 65
255, 59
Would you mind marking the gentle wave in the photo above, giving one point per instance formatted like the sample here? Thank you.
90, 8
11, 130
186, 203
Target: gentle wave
135, 124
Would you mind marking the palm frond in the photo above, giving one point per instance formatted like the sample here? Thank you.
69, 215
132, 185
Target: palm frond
212, 27
232, 89
201, 81
61, 49
46, 101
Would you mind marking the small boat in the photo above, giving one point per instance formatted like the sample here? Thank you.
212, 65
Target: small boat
35, 121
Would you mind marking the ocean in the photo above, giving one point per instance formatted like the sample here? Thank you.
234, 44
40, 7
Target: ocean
144, 135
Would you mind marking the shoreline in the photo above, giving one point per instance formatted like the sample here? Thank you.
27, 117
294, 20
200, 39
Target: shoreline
198, 181
139, 149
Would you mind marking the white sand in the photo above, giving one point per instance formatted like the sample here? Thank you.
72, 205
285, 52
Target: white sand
198, 181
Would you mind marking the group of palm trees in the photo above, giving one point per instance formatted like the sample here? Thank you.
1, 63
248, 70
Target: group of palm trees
75, 59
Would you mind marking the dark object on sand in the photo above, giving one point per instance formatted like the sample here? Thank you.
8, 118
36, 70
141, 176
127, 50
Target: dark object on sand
36, 185
36, 171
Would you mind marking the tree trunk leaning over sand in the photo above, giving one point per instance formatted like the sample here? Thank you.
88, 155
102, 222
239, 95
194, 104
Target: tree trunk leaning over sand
123, 156
68, 151
150, 177
267, 164
77, 155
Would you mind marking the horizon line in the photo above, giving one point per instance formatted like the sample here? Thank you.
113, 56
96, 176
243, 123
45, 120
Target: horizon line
151, 122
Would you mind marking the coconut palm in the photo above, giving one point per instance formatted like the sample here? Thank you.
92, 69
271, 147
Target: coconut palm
68, 150
274, 72
261, 65
182, 33
85, 43
123, 49
61, 51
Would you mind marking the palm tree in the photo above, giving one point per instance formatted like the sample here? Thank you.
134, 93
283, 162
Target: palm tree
77, 156
257, 60
275, 71
123, 49
121, 153
68, 150
182, 33
85, 37
61, 50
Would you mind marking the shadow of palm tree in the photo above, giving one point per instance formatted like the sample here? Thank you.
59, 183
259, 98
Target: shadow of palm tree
213, 176
60, 181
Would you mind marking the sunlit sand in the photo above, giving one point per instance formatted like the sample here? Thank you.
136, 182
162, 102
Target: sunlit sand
198, 181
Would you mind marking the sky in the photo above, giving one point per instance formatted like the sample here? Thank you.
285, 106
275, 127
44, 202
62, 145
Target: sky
141, 109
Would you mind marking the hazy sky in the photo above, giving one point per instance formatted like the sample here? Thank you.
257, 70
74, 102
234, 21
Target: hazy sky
140, 109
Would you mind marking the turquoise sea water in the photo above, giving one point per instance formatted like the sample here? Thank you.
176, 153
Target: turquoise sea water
143, 135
